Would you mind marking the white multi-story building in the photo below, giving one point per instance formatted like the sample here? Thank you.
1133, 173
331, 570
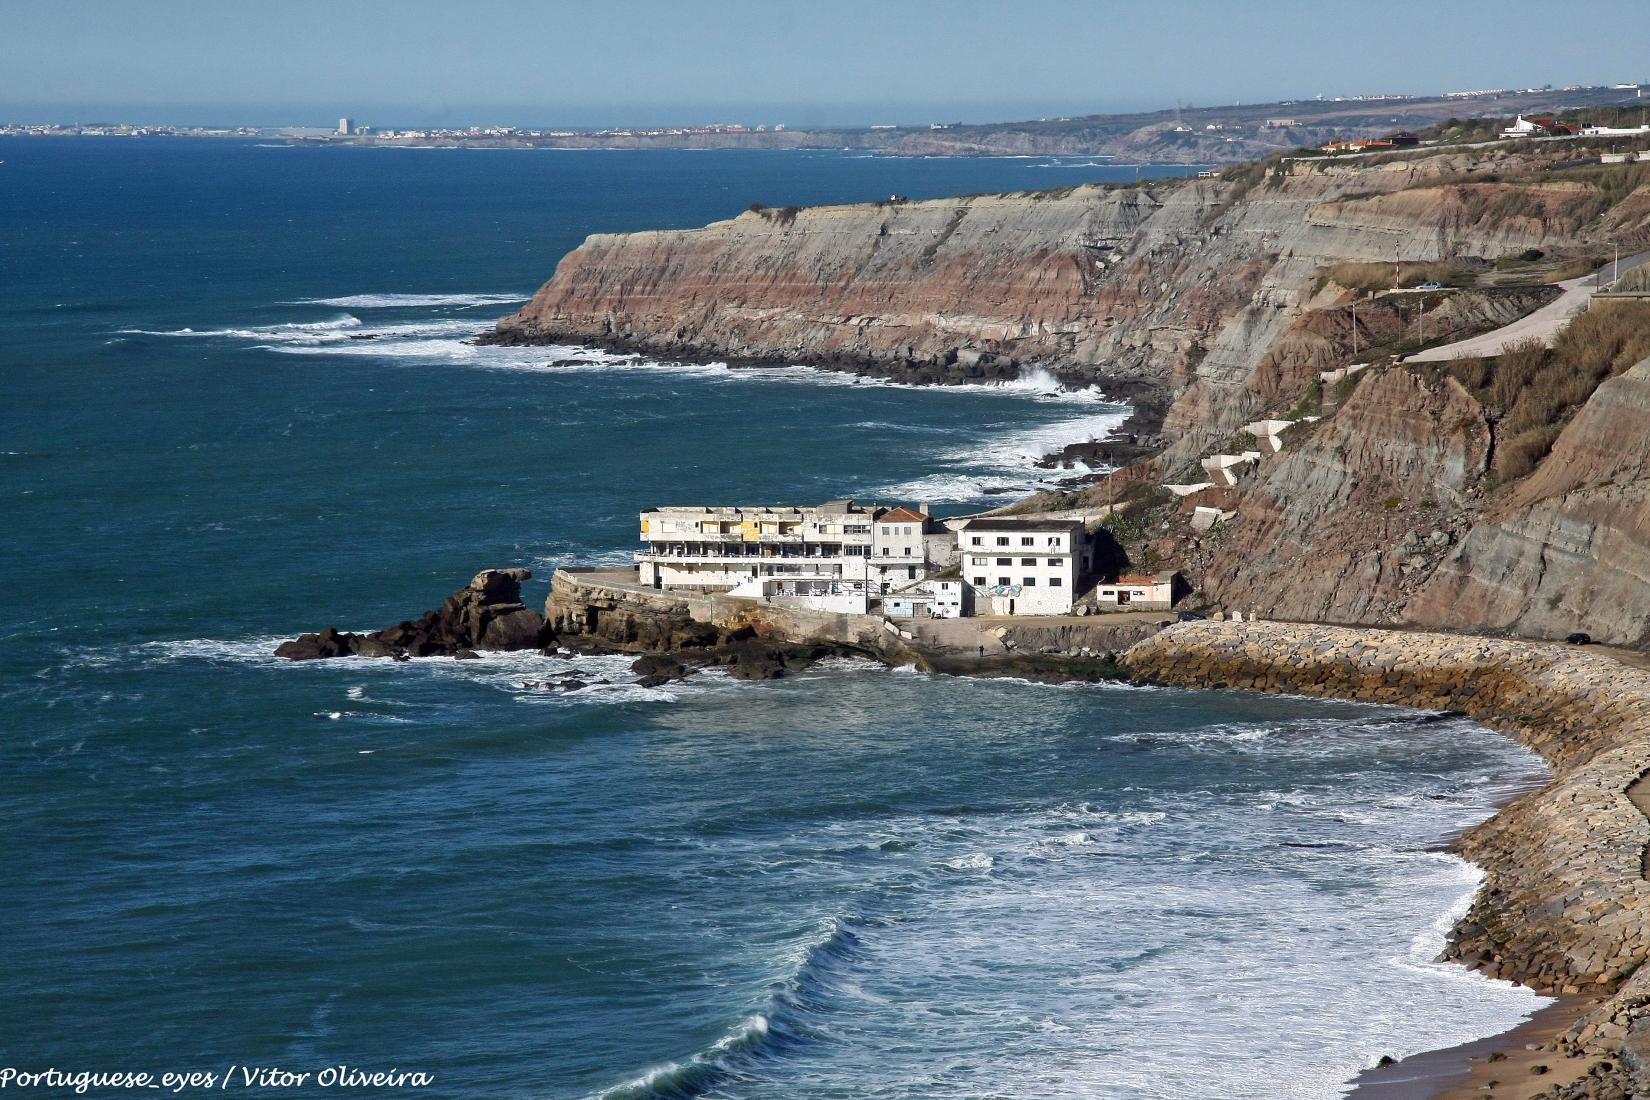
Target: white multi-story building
839, 549
899, 554
1023, 566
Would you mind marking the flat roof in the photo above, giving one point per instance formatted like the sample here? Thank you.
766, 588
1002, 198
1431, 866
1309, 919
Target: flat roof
1006, 523
830, 507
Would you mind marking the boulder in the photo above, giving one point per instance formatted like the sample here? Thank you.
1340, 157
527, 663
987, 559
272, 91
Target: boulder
315, 647
520, 629
658, 669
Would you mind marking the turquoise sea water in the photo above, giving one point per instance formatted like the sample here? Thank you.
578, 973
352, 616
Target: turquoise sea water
852, 883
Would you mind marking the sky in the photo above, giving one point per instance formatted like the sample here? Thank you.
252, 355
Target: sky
825, 62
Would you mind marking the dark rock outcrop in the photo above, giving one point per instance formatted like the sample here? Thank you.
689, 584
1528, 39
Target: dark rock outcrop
657, 669
486, 614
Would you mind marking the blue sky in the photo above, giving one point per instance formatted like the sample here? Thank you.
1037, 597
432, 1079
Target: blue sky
830, 61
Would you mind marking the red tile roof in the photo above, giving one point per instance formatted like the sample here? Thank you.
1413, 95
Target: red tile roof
902, 515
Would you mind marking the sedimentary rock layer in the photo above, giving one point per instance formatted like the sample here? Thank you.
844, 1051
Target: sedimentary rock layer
1186, 285
1569, 547
1565, 906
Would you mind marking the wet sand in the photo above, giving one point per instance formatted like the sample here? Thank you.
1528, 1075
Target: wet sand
1497, 1066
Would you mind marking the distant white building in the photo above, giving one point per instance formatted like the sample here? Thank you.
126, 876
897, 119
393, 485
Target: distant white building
1023, 566
1616, 131
346, 126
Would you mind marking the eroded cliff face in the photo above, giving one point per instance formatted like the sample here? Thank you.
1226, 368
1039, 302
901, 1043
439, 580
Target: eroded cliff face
1331, 530
1569, 547
1187, 286
1045, 278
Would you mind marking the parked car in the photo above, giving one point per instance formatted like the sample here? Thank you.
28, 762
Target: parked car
1580, 637
1430, 286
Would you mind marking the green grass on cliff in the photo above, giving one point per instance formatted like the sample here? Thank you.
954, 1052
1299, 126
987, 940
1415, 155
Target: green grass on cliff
1530, 392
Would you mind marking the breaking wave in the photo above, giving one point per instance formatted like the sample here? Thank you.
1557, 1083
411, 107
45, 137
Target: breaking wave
821, 969
412, 301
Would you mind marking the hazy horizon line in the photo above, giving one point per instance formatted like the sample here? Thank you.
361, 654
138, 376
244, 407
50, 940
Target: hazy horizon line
795, 116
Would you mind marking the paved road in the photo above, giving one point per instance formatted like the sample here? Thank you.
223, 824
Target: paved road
1542, 325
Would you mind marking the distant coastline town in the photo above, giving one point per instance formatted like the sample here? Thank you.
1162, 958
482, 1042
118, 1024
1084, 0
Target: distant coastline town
1184, 134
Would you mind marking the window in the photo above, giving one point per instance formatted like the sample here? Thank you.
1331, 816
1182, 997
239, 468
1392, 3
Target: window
885, 532
885, 551
1027, 540
1055, 582
1054, 541
1005, 561
975, 541
910, 572
1002, 540
1055, 563
979, 581
1004, 581
1031, 582
1028, 561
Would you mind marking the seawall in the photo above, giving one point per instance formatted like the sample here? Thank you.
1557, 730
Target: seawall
1565, 906
613, 611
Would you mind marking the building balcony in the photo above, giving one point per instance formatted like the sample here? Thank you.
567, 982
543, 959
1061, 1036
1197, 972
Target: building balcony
712, 557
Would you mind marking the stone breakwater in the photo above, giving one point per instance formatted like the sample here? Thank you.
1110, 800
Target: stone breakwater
1565, 906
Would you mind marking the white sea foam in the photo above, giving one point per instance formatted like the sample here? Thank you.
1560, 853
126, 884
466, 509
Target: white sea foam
527, 675
999, 466
294, 330
413, 301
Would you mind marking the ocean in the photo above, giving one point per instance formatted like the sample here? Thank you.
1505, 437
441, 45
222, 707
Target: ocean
237, 402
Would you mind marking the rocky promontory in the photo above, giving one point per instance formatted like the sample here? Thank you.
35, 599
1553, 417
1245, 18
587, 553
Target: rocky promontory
669, 643
486, 614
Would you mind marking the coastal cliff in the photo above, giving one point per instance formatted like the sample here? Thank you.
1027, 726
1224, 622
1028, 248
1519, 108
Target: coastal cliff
1504, 496
1200, 288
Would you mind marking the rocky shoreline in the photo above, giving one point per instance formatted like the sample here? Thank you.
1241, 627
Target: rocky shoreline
1138, 437
487, 615
1564, 903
